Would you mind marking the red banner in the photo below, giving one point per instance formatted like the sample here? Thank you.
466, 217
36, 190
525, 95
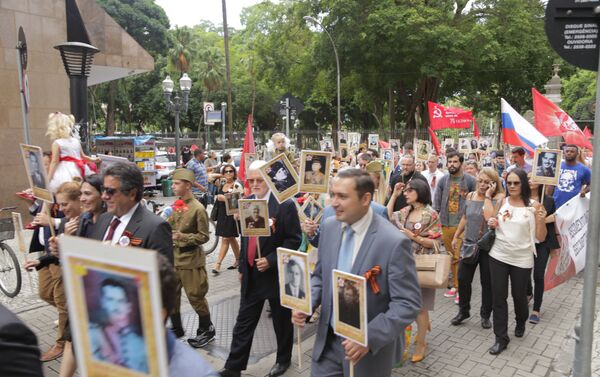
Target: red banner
435, 141
551, 120
441, 117
247, 148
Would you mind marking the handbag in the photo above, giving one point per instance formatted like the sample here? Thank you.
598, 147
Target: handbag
433, 269
214, 212
486, 242
469, 252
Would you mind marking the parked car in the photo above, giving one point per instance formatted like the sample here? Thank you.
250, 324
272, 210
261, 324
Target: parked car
164, 163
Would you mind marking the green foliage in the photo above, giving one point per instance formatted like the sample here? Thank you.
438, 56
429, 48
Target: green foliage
579, 95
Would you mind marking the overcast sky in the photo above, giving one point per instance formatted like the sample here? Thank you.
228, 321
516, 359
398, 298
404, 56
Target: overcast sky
190, 12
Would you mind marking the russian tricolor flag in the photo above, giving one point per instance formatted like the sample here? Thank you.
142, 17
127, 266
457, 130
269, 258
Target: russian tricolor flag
517, 131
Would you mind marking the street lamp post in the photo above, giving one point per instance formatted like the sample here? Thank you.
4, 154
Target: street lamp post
223, 122
177, 105
337, 62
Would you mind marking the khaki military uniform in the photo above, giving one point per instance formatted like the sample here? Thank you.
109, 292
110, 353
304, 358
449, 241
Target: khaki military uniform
189, 257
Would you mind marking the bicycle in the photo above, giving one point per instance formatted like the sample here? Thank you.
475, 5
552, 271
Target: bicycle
10, 269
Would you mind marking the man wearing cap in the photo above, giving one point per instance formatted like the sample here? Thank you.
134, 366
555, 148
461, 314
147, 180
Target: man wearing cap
190, 230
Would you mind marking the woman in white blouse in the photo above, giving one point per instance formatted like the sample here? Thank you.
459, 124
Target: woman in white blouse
518, 223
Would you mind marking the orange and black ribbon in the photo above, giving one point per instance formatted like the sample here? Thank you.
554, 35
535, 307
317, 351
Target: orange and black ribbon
371, 277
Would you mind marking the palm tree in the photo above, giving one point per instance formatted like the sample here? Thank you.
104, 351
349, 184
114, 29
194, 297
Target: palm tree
209, 69
180, 55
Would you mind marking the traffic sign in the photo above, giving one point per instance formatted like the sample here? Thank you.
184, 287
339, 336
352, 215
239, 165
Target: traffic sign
572, 29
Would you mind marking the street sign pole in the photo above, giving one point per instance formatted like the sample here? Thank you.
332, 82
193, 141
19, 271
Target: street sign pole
287, 117
573, 27
224, 116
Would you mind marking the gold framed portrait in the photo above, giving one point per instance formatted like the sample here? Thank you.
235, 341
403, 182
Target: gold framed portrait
314, 171
294, 280
281, 177
373, 142
311, 210
350, 306
546, 166
232, 202
422, 149
464, 145
114, 295
33, 159
387, 154
254, 217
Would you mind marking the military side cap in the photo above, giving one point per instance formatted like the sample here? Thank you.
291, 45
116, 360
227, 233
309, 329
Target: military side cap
184, 175
374, 167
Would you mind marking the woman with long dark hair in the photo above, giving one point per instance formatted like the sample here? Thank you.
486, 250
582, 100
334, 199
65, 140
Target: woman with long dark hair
421, 224
519, 223
227, 227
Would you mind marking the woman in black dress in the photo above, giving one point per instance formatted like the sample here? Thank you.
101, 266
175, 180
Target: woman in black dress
227, 227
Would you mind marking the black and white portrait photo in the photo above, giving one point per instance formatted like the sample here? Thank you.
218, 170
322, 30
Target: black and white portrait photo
546, 168
349, 306
36, 171
281, 177
294, 280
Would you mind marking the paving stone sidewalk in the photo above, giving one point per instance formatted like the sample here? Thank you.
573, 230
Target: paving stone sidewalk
545, 350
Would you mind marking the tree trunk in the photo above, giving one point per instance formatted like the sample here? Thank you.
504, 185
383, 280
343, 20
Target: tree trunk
110, 109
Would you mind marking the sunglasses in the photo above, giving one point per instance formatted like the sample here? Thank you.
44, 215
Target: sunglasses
513, 183
110, 191
228, 171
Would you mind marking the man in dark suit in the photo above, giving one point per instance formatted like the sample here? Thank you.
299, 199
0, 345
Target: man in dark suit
260, 280
18, 347
127, 222
357, 241
255, 221
294, 282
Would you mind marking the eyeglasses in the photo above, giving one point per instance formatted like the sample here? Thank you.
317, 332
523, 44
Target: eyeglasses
228, 171
110, 191
513, 183
255, 181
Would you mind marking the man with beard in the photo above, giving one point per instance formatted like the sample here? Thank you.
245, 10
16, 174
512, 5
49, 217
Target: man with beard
574, 177
408, 173
449, 202
546, 164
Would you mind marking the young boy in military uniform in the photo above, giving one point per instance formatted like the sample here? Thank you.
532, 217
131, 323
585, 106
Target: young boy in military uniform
190, 230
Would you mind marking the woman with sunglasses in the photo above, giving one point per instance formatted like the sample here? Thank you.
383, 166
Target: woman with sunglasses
519, 223
421, 224
227, 227
479, 209
542, 251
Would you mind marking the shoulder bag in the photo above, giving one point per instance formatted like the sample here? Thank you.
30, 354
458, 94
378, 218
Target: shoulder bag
433, 269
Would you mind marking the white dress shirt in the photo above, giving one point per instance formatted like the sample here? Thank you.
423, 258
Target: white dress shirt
122, 225
360, 230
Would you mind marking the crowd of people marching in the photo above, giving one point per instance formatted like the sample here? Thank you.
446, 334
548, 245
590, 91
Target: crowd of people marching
423, 207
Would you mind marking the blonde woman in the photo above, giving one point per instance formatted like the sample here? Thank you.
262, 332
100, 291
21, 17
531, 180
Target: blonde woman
479, 209
68, 160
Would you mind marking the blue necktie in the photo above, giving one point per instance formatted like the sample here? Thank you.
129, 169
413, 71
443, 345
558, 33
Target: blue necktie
346, 251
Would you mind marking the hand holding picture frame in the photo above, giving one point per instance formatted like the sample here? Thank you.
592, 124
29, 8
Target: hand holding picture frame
254, 217
281, 177
97, 277
294, 280
546, 166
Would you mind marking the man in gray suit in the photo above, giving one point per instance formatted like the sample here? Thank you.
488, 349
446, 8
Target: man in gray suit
356, 241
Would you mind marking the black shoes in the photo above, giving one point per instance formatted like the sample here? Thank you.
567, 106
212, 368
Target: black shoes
520, 330
497, 348
486, 323
229, 373
203, 338
278, 369
460, 317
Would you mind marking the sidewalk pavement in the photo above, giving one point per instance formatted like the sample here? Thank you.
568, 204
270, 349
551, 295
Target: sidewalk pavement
545, 350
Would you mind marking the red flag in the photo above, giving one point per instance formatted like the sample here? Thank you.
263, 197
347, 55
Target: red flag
435, 141
587, 133
448, 117
475, 128
384, 144
551, 120
247, 148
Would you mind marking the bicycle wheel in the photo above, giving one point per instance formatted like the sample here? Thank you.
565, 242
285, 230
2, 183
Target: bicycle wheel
10, 271
213, 239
